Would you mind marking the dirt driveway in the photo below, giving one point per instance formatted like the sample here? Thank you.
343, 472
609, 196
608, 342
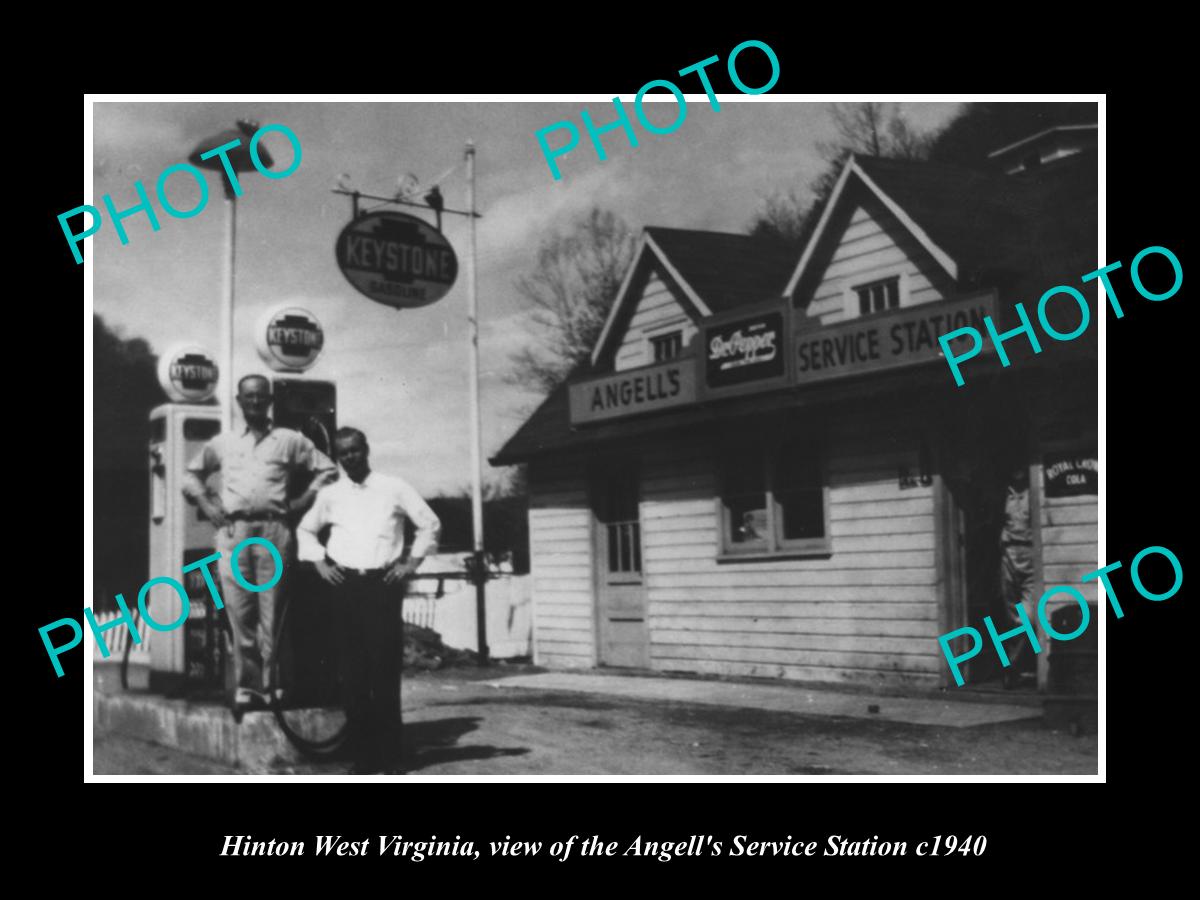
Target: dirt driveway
458, 723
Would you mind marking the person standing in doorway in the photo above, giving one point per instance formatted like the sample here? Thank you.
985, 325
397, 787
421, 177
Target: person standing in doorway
365, 564
256, 463
1016, 572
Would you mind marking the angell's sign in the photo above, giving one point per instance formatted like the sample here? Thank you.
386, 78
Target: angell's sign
396, 259
646, 389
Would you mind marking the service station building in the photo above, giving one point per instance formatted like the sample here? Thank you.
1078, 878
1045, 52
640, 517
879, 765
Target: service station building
767, 469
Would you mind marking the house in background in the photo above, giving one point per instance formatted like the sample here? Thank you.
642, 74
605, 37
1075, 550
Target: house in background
767, 468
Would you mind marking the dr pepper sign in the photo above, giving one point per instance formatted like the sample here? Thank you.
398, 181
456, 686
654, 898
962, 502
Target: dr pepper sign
396, 259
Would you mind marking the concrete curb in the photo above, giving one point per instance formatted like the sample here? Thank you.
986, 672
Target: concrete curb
257, 745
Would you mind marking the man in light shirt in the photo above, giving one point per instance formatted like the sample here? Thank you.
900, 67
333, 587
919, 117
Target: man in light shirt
257, 463
364, 562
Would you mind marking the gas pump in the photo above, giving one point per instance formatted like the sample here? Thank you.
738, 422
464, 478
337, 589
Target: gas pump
309, 665
195, 656
307, 406
179, 533
289, 339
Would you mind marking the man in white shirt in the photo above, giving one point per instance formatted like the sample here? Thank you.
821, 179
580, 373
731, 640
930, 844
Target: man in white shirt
364, 562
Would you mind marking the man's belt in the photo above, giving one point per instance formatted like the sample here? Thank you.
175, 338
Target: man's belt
359, 573
246, 515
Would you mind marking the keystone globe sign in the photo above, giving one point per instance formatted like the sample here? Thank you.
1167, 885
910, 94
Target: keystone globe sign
188, 373
396, 259
289, 338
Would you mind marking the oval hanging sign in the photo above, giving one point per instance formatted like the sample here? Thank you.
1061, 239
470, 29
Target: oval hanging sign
288, 338
396, 259
188, 373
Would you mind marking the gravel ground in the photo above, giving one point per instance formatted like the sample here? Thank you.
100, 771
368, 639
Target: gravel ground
456, 723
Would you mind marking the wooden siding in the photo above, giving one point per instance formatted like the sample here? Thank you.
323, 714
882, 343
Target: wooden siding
655, 308
1070, 545
560, 528
873, 246
868, 613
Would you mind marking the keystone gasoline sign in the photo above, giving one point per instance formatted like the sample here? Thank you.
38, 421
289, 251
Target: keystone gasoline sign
396, 259
188, 373
289, 339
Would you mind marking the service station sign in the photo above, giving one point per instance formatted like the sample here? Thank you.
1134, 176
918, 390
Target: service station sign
289, 338
396, 259
633, 391
188, 373
892, 340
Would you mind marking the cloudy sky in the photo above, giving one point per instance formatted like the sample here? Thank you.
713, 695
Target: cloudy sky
402, 376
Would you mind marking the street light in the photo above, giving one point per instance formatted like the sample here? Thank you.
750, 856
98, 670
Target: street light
239, 161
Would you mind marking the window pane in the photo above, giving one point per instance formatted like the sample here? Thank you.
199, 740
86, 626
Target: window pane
747, 518
613, 562
803, 514
799, 492
637, 547
626, 550
893, 293
667, 346
864, 301
745, 495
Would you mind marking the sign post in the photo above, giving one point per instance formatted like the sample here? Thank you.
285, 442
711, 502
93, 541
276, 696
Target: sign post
480, 568
404, 262
238, 159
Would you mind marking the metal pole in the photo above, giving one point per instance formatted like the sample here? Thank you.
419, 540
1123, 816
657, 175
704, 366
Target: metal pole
226, 314
476, 451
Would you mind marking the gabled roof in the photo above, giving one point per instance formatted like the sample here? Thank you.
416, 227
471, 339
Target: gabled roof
726, 270
714, 271
982, 227
1021, 234
854, 171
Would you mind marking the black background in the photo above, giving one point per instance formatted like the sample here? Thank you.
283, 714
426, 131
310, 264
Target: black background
1029, 825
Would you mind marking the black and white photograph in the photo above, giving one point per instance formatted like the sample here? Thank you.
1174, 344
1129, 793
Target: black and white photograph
687, 434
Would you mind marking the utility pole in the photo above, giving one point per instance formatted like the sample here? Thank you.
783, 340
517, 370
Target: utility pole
480, 563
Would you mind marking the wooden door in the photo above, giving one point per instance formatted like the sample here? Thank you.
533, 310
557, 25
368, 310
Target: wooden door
620, 586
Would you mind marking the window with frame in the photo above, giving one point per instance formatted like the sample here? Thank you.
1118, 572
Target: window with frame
667, 346
774, 500
879, 296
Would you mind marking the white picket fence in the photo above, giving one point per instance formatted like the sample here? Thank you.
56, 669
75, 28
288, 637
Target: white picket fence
509, 618
453, 615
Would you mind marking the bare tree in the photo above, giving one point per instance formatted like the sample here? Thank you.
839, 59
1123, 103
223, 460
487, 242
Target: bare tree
569, 293
868, 129
780, 218
872, 129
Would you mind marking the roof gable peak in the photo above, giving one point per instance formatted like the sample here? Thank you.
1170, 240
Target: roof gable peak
854, 169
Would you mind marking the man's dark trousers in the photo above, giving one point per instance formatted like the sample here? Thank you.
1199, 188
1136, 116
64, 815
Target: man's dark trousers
372, 651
